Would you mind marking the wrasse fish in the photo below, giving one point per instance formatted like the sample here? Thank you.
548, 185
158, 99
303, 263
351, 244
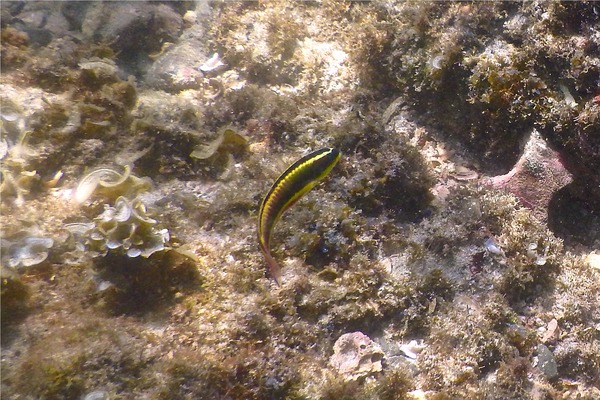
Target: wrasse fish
298, 179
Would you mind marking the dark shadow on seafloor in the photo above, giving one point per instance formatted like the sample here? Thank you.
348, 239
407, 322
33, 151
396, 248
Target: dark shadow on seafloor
574, 217
14, 309
143, 285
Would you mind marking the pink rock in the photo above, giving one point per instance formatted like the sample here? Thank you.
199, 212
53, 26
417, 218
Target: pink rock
536, 176
356, 356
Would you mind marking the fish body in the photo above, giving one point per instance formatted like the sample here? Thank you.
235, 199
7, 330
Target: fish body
298, 179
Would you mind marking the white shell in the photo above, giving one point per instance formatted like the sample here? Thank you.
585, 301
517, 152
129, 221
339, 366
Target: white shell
213, 63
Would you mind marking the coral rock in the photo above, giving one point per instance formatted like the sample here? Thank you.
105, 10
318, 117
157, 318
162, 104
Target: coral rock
175, 68
356, 356
536, 176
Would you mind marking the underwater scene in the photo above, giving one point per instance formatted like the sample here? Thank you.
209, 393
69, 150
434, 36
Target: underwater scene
300, 200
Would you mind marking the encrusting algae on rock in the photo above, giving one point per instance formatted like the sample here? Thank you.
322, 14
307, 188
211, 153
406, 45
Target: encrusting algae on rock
356, 356
458, 289
536, 177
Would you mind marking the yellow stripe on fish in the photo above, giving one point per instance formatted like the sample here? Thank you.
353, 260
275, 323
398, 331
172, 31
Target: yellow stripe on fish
298, 179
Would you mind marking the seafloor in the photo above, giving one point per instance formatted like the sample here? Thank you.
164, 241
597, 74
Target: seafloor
453, 253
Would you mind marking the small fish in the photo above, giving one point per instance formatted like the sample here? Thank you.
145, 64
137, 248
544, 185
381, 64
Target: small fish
298, 179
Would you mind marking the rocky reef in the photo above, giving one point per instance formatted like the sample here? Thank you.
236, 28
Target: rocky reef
453, 253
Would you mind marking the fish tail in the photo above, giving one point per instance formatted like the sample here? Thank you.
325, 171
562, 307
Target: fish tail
274, 268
